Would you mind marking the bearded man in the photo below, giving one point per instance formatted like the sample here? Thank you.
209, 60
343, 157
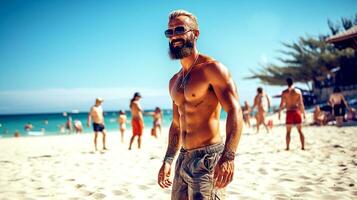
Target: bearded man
205, 164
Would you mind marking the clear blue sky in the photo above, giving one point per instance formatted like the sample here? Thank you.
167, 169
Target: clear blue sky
59, 55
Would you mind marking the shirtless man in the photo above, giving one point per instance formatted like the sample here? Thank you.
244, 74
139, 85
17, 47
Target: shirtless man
262, 102
292, 100
339, 105
137, 120
96, 113
205, 164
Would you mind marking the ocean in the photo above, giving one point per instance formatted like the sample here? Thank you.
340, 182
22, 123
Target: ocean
50, 123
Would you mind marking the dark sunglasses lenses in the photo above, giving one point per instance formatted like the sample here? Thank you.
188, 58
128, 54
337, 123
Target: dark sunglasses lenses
169, 33
178, 31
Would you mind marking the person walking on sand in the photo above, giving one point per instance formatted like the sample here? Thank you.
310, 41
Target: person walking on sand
205, 164
122, 124
262, 102
292, 100
246, 113
339, 105
96, 113
137, 120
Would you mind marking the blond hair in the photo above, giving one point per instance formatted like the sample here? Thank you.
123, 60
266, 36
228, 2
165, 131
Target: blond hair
176, 13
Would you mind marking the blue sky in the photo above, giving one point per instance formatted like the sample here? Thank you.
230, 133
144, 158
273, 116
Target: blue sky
59, 55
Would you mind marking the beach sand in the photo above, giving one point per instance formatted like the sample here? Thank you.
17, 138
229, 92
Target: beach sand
66, 167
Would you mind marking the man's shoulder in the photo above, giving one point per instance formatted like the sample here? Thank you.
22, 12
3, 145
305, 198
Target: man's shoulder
212, 67
285, 92
174, 77
298, 91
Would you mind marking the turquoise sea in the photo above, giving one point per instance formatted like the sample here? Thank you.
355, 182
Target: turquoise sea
50, 123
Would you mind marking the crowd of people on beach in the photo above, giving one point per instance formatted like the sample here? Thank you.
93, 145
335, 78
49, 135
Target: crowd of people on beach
96, 116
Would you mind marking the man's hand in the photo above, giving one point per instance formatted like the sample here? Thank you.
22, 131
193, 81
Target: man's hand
223, 173
88, 125
163, 178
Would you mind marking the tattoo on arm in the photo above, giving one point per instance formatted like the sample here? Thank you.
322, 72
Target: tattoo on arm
234, 130
174, 144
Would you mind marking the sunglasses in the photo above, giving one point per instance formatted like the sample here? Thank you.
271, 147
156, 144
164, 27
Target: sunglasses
178, 30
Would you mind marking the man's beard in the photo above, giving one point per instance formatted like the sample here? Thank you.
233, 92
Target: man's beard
180, 52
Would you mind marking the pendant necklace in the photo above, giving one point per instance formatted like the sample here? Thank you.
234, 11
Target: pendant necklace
184, 77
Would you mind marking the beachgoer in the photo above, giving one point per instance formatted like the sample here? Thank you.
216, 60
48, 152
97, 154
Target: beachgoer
17, 134
28, 126
339, 105
69, 125
246, 113
292, 100
78, 126
262, 102
157, 120
122, 124
205, 164
352, 115
96, 113
137, 120
319, 116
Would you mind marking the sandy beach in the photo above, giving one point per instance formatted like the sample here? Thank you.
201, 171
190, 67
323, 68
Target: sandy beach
66, 167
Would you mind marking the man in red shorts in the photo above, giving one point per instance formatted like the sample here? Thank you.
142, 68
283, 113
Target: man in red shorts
137, 121
292, 100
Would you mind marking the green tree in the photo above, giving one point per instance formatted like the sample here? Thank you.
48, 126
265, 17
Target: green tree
305, 60
308, 59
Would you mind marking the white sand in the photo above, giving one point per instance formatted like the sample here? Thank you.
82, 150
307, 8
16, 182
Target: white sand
65, 167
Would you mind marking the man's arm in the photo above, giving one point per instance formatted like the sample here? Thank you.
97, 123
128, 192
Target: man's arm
301, 105
172, 148
268, 99
282, 104
255, 103
174, 137
227, 94
89, 117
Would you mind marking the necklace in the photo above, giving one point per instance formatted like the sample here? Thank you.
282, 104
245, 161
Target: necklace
184, 77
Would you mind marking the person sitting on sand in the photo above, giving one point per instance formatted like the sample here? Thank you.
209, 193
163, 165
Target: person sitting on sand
17, 134
96, 113
122, 124
292, 100
319, 116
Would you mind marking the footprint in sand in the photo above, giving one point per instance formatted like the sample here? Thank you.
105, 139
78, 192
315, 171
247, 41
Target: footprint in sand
80, 186
305, 177
118, 192
303, 189
286, 179
99, 196
74, 198
86, 192
21, 192
143, 187
263, 171
338, 189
